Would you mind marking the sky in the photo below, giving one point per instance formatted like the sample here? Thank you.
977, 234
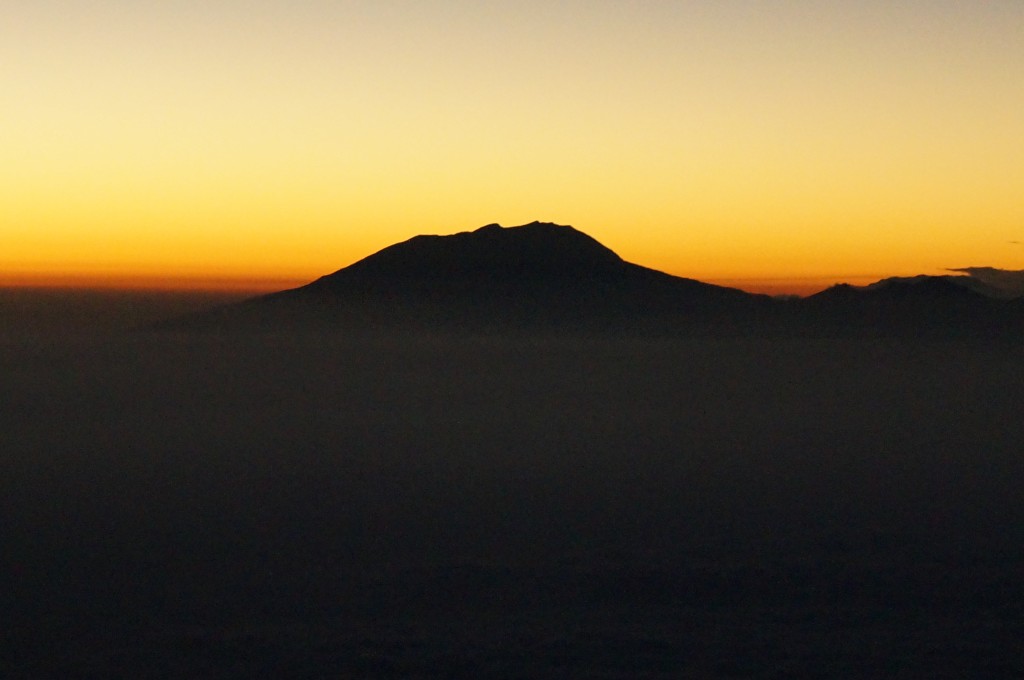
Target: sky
777, 146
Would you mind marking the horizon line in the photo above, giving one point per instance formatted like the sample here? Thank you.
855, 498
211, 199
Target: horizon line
767, 285
150, 282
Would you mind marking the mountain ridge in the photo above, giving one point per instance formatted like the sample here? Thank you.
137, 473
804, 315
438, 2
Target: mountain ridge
552, 277
537, 248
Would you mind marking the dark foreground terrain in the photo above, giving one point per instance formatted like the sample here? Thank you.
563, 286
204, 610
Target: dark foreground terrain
217, 506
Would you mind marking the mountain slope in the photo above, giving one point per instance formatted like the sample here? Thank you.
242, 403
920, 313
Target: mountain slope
534, 276
553, 278
947, 306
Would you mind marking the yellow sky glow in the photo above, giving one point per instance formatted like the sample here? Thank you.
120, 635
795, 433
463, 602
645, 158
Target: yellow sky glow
729, 141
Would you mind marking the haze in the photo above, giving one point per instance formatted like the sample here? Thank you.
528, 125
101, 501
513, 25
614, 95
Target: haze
511, 458
508, 453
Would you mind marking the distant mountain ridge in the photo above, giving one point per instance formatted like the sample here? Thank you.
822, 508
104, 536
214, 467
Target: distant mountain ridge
924, 284
551, 277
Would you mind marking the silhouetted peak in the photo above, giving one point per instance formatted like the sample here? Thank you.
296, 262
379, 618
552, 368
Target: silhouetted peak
839, 291
537, 249
923, 286
536, 224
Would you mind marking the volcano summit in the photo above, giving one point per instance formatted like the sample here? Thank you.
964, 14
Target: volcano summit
534, 276
552, 278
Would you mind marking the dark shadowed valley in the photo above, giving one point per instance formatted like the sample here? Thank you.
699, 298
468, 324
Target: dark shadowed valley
215, 504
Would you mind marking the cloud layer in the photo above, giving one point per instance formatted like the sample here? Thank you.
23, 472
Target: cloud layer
1008, 282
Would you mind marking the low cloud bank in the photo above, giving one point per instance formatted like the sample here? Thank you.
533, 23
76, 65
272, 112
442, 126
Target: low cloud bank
1008, 282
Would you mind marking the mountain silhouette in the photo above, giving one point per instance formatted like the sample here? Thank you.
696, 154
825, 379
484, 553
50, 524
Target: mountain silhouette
941, 285
534, 276
999, 283
915, 290
549, 277
917, 305
488, 255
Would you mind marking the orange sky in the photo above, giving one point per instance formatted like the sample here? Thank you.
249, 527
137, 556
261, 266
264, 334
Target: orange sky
774, 146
